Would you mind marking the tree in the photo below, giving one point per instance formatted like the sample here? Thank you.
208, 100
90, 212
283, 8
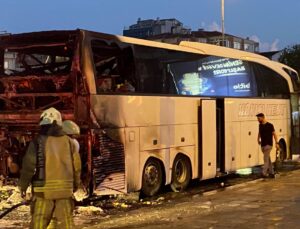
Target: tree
291, 57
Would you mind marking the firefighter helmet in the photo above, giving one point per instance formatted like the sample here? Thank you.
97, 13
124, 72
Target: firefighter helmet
70, 127
49, 116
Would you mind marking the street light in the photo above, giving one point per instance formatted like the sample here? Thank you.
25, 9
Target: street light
223, 18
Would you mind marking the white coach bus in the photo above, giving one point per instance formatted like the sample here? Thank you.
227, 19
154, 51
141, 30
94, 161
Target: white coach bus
151, 114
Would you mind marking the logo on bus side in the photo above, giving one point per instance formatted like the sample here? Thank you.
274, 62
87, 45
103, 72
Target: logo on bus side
250, 109
242, 86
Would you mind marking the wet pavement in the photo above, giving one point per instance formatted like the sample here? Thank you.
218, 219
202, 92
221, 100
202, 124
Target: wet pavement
229, 202
257, 204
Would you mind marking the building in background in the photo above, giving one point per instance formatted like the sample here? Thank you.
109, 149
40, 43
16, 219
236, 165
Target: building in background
172, 31
148, 28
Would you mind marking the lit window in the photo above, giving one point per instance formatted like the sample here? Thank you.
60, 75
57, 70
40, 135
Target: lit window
248, 47
237, 45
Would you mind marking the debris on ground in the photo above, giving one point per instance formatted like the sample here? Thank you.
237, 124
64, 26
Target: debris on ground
89, 210
160, 199
80, 194
131, 197
9, 196
122, 205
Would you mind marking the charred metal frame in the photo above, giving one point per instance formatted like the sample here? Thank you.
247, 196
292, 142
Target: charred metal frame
20, 112
20, 96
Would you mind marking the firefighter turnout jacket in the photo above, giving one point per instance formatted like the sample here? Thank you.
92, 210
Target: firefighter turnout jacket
52, 164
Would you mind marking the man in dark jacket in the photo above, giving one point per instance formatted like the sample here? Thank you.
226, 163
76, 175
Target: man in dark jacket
265, 140
52, 165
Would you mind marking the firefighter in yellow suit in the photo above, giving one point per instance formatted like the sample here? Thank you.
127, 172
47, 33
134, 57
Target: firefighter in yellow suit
52, 165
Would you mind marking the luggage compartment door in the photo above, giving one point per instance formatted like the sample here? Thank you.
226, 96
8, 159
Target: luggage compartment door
207, 139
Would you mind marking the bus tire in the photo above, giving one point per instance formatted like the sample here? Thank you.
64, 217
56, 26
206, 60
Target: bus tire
181, 173
153, 177
282, 150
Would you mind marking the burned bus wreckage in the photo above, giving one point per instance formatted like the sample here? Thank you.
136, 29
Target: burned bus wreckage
37, 71
53, 69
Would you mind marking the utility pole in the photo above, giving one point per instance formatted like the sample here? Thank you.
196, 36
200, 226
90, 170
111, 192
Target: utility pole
223, 18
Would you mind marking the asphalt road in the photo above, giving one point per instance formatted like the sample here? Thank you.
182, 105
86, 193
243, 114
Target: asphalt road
260, 203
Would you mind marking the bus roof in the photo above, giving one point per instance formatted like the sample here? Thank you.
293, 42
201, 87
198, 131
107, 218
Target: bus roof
216, 50
285, 66
143, 42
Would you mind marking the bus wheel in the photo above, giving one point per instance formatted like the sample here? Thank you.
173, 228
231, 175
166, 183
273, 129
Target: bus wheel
152, 177
181, 173
282, 150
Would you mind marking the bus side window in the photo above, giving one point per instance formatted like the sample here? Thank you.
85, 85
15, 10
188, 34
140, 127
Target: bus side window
153, 71
113, 63
149, 72
269, 83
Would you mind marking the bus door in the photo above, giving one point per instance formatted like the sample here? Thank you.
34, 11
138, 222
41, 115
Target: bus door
220, 136
295, 128
207, 139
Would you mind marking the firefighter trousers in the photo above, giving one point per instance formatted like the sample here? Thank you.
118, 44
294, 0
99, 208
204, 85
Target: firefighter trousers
43, 210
